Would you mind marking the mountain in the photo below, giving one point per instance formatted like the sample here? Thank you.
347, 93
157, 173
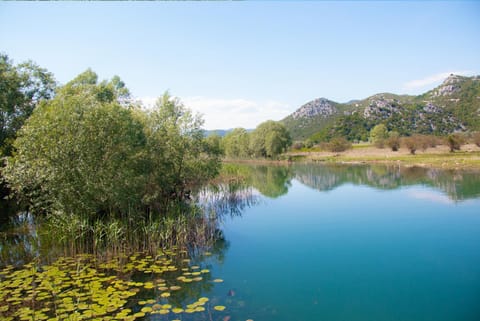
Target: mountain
452, 106
220, 132
312, 116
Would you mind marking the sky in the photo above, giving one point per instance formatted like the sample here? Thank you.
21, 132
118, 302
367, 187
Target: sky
242, 63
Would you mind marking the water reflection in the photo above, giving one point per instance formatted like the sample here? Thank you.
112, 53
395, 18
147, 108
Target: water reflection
457, 185
127, 285
274, 181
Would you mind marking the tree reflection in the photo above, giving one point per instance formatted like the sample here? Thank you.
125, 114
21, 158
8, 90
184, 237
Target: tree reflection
274, 181
458, 185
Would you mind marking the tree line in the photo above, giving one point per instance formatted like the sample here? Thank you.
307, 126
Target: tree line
87, 149
268, 140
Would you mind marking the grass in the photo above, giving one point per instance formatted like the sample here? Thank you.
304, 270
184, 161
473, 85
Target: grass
438, 157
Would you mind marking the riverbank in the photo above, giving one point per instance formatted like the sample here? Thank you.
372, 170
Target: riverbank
438, 157
435, 157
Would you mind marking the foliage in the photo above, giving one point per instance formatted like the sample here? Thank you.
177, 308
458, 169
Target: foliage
179, 158
393, 140
86, 154
353, 127
337, 144
22, 88
411, 143
269, 139
298, 145
79, 153
455, 141
236, 143
214, 144
378, 135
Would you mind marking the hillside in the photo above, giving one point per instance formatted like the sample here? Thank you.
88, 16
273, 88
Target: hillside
452, 106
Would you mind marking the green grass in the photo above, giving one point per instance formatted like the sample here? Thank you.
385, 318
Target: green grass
457, 160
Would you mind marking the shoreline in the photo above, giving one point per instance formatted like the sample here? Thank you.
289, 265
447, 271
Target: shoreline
468, 158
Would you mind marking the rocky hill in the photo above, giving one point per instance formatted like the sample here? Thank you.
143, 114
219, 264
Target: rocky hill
452, 106
313, 115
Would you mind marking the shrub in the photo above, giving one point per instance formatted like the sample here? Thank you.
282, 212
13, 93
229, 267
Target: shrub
298, 145
393, 141
411, 143
455, 141
338, 144
476, 138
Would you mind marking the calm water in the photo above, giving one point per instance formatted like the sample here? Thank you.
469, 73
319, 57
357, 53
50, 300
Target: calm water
346, 243
356, 243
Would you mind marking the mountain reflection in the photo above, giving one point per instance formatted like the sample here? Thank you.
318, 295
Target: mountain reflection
274, 181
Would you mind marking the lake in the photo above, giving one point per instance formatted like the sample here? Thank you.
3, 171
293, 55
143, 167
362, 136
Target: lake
317, 242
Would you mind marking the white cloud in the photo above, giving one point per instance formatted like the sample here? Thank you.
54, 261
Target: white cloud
432, 79
431, 196
220, 113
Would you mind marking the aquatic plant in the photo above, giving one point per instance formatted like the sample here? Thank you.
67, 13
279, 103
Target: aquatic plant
121, 288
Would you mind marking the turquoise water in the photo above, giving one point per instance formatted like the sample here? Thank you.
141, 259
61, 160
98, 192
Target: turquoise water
356, 244
315, 242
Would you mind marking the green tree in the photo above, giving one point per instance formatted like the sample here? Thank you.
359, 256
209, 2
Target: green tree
236, 143
22, 88
79, 154
378, 135
180, 158
83, 153
269, 139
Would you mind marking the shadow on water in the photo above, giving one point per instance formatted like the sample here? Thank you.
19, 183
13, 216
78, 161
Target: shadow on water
41, 279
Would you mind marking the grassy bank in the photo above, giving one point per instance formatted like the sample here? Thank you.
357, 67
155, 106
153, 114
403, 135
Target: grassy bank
439, 157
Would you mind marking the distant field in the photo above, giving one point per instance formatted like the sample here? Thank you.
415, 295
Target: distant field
440, 156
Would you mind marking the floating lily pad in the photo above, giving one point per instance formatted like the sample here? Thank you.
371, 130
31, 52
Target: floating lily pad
219, 307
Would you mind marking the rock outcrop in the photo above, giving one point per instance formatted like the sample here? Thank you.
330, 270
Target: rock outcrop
319, 106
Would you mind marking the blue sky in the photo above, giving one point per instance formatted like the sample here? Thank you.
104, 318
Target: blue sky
241, 63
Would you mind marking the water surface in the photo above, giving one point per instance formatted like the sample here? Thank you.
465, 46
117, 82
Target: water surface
357, 243
314, 242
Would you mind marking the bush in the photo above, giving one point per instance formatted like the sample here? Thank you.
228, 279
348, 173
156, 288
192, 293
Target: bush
455, 142
338, 144
393, 141
298, 145
411, 143
476, 138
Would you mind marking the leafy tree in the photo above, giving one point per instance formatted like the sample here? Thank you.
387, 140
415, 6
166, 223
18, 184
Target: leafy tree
353, 127
269, 139
84, 153
22, 88
179, 156
236, 143
214, 144
378, 135
78, 154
